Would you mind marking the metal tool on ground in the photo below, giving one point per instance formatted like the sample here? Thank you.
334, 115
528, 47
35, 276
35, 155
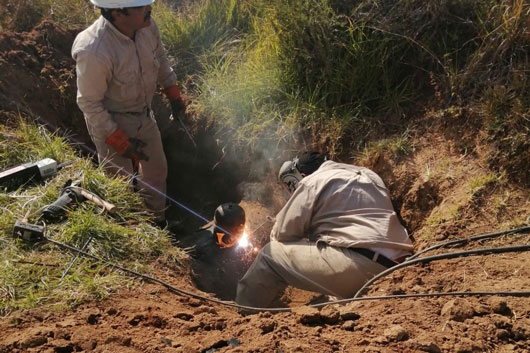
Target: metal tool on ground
28, 232
172, 118
75, 258
13, 177
72, 194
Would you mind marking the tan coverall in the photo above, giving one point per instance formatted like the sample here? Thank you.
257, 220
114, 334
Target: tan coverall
334, 209
116, 80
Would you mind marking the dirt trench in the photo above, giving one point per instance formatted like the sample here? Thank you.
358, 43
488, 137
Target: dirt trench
37, 78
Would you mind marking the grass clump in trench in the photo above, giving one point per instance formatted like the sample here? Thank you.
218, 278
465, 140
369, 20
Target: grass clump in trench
30, 274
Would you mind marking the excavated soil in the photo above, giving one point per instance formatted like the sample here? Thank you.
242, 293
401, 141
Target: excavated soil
431, 191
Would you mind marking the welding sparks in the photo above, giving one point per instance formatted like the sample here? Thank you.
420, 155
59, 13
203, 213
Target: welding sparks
243, 242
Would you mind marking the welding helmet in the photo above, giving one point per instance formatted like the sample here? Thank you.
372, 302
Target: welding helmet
120, 4
289, 175
293, 171
229, 221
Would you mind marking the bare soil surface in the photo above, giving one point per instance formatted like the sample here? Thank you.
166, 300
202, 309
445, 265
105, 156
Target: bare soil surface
442, 192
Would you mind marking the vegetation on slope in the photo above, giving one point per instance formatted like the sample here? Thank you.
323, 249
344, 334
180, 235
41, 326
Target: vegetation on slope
30, 274
275, 73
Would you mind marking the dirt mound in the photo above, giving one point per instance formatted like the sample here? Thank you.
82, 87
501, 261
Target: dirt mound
37, 77
151, 319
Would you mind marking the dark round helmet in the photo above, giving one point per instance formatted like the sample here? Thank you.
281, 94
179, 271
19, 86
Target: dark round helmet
229, 221
229, 216
309, 161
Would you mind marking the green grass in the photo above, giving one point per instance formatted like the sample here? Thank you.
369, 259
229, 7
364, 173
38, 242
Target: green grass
271, 74
30, 273
397, 147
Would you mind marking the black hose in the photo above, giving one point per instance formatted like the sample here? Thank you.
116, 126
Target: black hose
473, 238
515, 248
276, 310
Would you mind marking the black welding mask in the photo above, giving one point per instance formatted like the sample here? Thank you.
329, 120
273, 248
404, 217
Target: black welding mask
229, 221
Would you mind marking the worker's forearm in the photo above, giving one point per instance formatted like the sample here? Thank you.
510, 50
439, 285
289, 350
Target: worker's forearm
98, 119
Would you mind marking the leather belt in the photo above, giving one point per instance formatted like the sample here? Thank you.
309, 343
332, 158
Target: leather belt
375, 256
145, 111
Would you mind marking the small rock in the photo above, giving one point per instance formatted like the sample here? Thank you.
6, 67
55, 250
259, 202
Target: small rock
234, 342
457, 310
186, 316
265, 314
126, 341
92, 319
63, 348
521, 331
468, 346
429, 347
347, 314
112, 311
267, 326
499, 306
158, 322
503, 335
136, 320
330, 315
34, 341
481, 309
308, 315
167, 341
348, 325
204, 309
502, 322
396, 333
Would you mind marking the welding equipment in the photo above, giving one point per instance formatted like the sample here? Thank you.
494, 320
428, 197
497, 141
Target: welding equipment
13, 177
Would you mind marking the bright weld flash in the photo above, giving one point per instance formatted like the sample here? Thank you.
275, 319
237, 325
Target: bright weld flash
243, 242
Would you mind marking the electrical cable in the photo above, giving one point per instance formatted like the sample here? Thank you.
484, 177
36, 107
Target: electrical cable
473, 238
515, 248
174, 289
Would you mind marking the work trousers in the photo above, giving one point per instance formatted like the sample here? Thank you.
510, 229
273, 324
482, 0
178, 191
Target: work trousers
339, 272
152, 174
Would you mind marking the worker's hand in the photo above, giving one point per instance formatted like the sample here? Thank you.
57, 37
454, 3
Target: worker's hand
178, 108
127, 147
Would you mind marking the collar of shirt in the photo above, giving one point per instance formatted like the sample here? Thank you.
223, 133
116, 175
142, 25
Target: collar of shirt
114, 30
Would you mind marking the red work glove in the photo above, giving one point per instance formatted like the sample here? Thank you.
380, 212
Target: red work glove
127, 147
178, 107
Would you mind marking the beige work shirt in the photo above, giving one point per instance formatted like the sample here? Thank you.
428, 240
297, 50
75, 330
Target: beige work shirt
116, 74
344, 206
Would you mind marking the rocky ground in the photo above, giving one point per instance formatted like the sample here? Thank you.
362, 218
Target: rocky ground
432, 192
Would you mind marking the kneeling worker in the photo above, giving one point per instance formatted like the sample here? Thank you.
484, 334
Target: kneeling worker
337, 230
216, 264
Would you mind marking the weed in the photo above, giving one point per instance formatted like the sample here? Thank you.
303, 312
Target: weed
480, 182
30, 274
397, 147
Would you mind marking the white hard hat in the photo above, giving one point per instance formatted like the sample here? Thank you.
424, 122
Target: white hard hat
119, 4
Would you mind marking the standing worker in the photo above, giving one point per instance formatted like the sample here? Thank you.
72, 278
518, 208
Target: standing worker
337, 230
119, 62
